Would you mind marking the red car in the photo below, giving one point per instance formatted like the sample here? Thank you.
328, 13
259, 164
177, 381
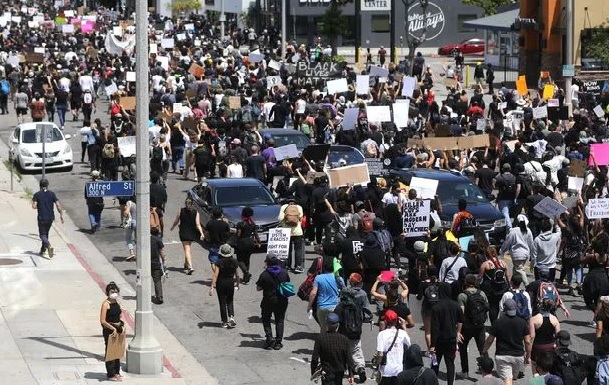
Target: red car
470, 46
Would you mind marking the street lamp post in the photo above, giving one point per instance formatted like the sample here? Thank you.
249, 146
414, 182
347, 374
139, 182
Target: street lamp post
569, 51
284, 32
144, 354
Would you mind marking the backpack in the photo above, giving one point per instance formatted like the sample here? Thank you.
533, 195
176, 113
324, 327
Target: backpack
246, 114
108, 151
602, 371
155, 221
351, 316
476, 308
432, 294
304, 290
526, 186
385, 240
498, 280
87, 98
286, 289
291, 215
466, 223
568, 367
157, 153
522, 305
574, 247
548, 292
256, 111
5, 87
509, 183
367, 221
222, 148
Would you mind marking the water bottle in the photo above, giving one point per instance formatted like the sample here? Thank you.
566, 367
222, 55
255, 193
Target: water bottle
434, 360
310, 314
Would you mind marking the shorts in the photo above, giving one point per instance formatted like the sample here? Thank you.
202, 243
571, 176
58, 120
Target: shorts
540, 348
509, 366
213, 255
21, 111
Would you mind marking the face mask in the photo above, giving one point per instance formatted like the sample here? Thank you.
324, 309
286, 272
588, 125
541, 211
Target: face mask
113, 296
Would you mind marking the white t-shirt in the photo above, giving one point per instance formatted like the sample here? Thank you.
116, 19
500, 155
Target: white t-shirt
575, 92
509, 295
394, 357
390, 198
301, 104
266, 110
86, 83
234, 170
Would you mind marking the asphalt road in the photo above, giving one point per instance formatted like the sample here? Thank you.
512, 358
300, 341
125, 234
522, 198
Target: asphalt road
233, 356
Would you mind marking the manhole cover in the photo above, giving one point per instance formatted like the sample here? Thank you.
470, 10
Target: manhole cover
10, 261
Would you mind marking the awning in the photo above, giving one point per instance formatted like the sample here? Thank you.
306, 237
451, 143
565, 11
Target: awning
500, 22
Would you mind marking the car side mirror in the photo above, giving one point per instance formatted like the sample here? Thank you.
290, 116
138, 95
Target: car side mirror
15, 141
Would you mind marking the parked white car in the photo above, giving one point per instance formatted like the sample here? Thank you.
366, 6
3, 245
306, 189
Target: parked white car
25, 147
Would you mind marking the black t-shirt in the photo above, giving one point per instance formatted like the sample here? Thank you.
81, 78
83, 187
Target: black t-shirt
202, 156
158, 196
45, 200
318, 195
506, 184
509, 333
227, 266
350, 249
269, 283
401, 309
321, 122
485, 178
373, 259
156, 246
255, 167
218, 231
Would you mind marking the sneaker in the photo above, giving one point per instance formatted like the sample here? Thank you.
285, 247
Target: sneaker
51, 251
298, 270
190, 271
231, 322
269, 344
277, 346
225, 325
592, 323
131, 257
462, 376
361, 373
42, 250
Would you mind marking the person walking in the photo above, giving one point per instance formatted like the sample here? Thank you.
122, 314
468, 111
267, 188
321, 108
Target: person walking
390, 346
543, 327
218, 233
519, 243
45, 201
446, 324
415, 372
290, 216
247, 241
325, 291
21, 101
130, 226
490, 78
95, 206
331, 354
189, 231
113, 325
225, 280
273, 304
157, 263
37, 108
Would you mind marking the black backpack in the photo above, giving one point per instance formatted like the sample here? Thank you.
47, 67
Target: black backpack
351, 316
157, 153
476, 308
567, 366
432, 293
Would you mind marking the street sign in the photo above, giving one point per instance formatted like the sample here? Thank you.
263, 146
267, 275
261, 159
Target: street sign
568, 70
110, 189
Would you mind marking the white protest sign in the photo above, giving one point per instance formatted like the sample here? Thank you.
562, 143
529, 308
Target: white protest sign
415, 217
400, 114
379, 71
117, 31
275, 65
553, 103
181, 36
597, 208
111, 89
255, 57
16, 19
177, 108
288, 151
167, 43
550, 207
39, 50
362, 84
350, 118
272, 81
425, 188
408, 85
575, 183
598, 110
337, 86
130, 76
67, 28
164, 60
378, 113
480, 124
189, 27
126, 145
503, 105
279, 242
154, 48
68, 13
540, 112
32, 24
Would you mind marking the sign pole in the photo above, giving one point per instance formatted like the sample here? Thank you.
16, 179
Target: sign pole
569, 52
43, 132
144, 353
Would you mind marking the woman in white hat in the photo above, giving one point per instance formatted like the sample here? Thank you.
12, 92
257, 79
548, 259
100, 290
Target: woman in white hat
225, 280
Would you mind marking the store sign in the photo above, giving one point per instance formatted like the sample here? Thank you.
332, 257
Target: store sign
314, 2
433, 17
376, 5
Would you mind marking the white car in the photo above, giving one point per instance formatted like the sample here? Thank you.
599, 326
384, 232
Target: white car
25, 147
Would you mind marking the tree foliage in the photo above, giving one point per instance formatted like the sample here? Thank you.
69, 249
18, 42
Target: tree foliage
489, 6
597, 46
333, 22
185, 6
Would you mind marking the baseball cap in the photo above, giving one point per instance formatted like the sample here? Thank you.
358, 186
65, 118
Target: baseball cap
564, 338
390, 316
332, 319
236, 141
543, 270
509, 307
419, 246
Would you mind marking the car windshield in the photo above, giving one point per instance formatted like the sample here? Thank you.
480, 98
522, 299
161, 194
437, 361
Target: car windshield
35, 136
350, 156
451, 191
242, 196
301, 141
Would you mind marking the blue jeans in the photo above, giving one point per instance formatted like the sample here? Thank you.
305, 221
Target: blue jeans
43, 231
177, 157
95, 217
61, 113
578, 274
504, 207
130, 237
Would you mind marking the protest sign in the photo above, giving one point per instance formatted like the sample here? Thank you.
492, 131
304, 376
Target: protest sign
41, 50
196, 70
128, 102
474, 141
415, 217
574, 183
167, 43
337, 86
549, 207
255, 57
154, 48
275, 65
126, 145
288, 151
117, 31
314, 72
362, 84
177, 108
408, 86
553, 103
597, 208
111, 89
400, 114
599, 152
349, 175
480, 124
234, 102
272, 81
598, 110
35, 57
425, 188
130, 76
181, 36
548, 91
577, 168
279, 242
378, 113
540, 112
378, 71
378, 167
67, 28
316, 152
350, 118
521, 85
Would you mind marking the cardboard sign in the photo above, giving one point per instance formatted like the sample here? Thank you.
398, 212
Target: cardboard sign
415, 217
111, 89
577, 168
279, 242
378, 71
349, 175
451, 83
337, 86
116, 347
378, 167
550, 207
196, 70
599, 152
126, 145
378, 113
435, 143
154, 48
189, 123
521, 85
598, 110
128, 102
288, 151
574, 183
234, 102
425, 188
316, 152
362, 84
548, 91
350, 118
272, 81
35, 57
540, 112
408, 86
474, 141
597, 208
400, 113
130, 76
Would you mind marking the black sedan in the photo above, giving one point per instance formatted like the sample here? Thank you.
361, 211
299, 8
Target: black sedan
232, 195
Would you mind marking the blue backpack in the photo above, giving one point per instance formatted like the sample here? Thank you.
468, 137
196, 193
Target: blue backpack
522, 305
286, 289
5, 87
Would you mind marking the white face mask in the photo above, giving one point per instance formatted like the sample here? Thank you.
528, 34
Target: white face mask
113, 296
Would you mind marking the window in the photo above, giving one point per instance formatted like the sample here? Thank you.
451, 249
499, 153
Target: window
462, 19
380, 23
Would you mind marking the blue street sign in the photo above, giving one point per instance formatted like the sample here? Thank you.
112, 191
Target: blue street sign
110, 189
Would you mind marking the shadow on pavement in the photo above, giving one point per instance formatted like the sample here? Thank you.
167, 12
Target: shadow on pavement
302, 336
590, 337
68, 348
254, 319
206, 324
96, 376
306, 352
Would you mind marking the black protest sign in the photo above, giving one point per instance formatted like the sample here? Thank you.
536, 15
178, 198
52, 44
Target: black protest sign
378, 167
316, 152
319, 71
558, 113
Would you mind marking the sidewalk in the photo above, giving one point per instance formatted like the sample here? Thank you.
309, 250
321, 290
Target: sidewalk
49, 309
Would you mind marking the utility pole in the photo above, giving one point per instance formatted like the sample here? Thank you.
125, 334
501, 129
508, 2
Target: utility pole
569, 51
222, 21
358, 31
392, 25
144, 354
284, 32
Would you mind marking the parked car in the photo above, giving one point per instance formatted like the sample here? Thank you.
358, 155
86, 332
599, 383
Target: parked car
283, 136
25, 147
468, 47
453, 187
232, 195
